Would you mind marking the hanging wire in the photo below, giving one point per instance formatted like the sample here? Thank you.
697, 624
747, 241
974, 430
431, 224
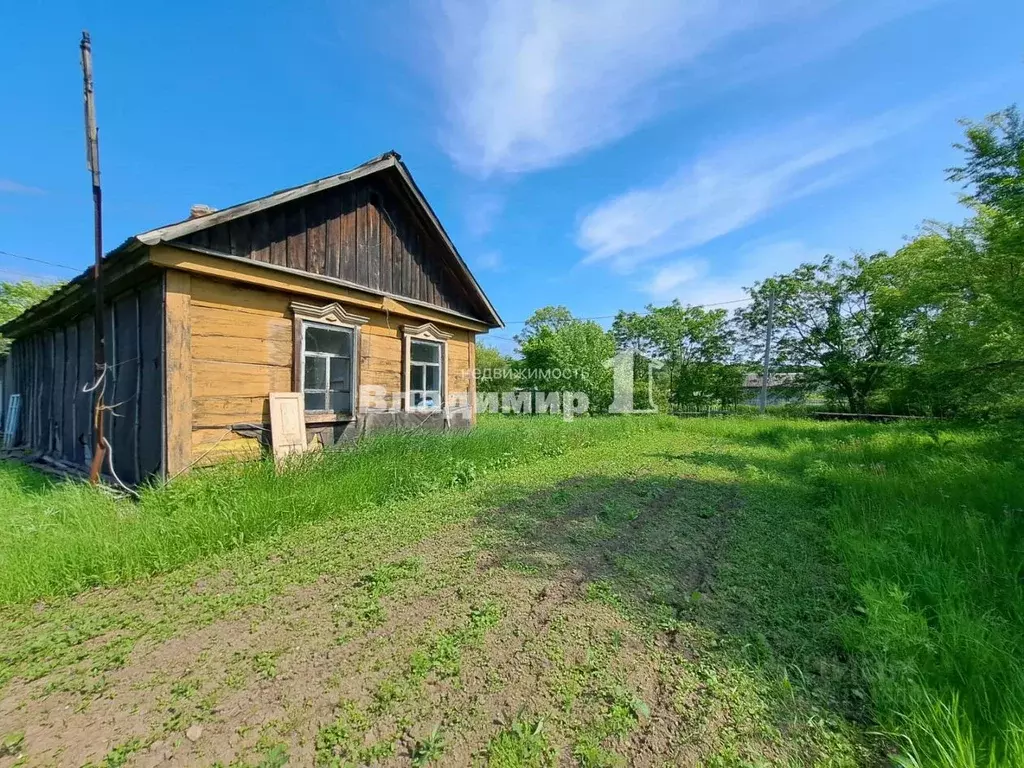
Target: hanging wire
195, 461
40, 261
113, 472
103, 374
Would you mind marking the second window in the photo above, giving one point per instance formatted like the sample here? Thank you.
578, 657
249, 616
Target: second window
425, 374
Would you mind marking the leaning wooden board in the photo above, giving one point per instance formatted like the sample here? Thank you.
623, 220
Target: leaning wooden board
287, 426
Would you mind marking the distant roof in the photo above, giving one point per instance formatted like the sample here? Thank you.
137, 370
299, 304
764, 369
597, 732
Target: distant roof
171, 232
752, 380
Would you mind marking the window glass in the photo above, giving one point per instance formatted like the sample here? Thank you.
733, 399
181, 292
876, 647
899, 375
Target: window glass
425, 374
327, 369
332, 341
433, 377
426, 352
341, 402
340, 374
316, 373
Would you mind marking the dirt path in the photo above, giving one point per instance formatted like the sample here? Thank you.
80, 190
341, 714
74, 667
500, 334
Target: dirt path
567, 627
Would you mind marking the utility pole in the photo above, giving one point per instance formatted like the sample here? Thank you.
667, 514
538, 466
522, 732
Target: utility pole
767, 351
92, 154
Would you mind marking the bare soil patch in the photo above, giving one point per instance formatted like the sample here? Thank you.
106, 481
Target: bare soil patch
564, 628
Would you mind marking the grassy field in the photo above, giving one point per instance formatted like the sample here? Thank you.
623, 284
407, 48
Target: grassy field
605, 592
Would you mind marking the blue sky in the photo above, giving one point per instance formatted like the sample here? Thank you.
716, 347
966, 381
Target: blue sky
602, 154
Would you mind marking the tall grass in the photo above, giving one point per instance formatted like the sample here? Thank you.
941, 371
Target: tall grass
927, 522
930, 526
67, 537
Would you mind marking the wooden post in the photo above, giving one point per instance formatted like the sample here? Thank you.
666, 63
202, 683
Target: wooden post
92, 153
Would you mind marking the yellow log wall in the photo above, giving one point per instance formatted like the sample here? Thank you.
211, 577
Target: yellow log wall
241, 349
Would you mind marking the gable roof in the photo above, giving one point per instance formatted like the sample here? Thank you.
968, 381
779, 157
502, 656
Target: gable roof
173, 232
388, 160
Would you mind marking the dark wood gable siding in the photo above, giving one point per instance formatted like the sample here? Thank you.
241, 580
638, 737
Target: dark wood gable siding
365, 232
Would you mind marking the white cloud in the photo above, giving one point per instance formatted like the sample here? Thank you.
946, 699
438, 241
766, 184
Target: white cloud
667, 282
693, 282
729, 187
529, 84
482, 209
490, 261
16, 188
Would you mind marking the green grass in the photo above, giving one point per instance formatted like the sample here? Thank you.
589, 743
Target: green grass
65, 538
874, 571
930, 526
927, 522
522, 745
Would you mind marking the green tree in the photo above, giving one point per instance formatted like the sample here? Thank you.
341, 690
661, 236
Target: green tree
561, 353
964, 285
494, 371
548, 318
830, 327
993, 169
15, 298
695, 347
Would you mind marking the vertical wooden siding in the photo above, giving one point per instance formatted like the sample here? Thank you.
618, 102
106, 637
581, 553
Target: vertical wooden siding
52, 368
360, 232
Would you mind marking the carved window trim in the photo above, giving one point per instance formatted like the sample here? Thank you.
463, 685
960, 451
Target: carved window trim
425, 332
330, 315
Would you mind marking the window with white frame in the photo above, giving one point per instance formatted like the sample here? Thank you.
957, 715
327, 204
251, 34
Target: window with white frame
426, 374
327, 368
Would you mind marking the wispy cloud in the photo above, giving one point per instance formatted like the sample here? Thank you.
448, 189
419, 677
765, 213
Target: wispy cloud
667, 283
491, 261
733, 185
692, 281
482, 209
16, 188
530, 84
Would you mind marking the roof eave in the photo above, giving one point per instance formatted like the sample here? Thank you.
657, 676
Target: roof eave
188, 226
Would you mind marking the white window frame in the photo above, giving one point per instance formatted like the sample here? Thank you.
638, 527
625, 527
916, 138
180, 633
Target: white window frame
430, 333
329, 356
332, 317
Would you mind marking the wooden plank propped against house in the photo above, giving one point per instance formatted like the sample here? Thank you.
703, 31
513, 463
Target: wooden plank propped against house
287, 426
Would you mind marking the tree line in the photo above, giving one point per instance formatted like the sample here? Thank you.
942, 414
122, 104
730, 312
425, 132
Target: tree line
934, 328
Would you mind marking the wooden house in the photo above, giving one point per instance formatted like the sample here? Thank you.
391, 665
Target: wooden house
346, 289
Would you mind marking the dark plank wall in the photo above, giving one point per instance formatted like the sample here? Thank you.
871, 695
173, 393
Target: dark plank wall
365, 232
51, 368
